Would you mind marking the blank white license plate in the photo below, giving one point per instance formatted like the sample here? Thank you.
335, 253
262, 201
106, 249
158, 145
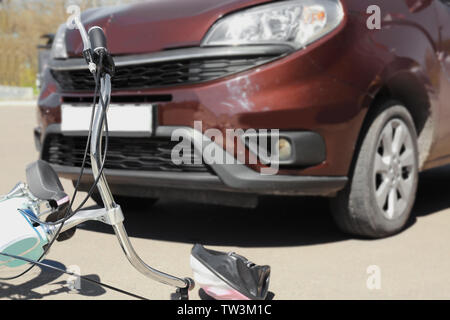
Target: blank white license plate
126, 120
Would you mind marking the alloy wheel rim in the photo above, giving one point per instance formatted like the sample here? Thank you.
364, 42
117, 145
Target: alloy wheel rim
394, 169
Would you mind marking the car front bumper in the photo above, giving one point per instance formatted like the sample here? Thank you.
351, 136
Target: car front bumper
292, 93
223, 178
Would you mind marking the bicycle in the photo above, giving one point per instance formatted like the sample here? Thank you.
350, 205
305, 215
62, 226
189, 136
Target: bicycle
39, 212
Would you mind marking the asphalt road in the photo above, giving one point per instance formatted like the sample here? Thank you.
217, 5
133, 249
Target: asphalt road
310, 258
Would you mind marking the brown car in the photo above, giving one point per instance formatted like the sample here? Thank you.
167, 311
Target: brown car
362, 106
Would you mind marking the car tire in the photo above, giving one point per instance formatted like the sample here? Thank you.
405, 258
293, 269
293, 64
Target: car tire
379, 197
132, 203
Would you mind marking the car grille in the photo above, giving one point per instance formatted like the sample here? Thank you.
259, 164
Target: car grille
141, 154
154, 75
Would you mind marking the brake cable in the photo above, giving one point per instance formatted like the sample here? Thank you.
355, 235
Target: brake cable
69, 209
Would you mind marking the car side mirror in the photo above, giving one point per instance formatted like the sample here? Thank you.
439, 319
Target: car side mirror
418, 5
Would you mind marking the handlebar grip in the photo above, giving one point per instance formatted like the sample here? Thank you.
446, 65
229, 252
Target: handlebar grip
98, 39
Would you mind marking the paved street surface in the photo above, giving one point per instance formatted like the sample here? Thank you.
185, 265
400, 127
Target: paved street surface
310, 258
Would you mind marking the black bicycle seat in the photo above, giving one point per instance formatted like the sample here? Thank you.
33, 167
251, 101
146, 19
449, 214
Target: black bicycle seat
237, 272
44, 183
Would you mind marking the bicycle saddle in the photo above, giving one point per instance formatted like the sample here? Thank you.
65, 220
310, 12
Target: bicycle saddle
229, 276
44, 183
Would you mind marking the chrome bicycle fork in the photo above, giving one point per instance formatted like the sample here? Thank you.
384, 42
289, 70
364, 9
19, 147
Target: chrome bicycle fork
112, 209
94, 43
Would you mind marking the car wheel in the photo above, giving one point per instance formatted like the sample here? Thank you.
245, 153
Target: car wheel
132, 203
379, 197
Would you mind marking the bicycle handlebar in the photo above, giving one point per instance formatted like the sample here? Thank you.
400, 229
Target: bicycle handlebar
84, 35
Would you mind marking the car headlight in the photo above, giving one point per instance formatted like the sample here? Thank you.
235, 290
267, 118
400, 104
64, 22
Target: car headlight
293, 22
59, 50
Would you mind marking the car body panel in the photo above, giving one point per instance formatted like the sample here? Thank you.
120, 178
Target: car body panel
155, 25
328, 87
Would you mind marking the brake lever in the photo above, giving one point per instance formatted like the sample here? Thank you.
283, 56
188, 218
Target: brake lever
109, 66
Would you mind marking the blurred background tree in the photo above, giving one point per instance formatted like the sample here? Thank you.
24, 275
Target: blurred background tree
22, 23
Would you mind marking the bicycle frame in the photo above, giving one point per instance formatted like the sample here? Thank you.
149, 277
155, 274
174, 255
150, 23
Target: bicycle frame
112, 213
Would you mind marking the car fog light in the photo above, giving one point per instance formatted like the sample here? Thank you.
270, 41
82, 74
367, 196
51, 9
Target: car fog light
284, 149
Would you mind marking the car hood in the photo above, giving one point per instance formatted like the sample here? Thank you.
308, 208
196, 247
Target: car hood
154, 25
